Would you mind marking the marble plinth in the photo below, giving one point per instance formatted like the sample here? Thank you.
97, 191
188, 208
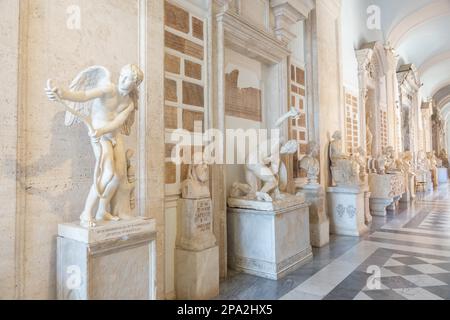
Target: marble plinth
196, 256
197, 274
319, 224
424, 181
395, 205
346, 208
195, 227
410, 193
276, 205
269, 244
443, 175
112, 261
367, 213
385, 190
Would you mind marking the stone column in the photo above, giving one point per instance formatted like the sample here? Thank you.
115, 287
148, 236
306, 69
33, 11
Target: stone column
218, 190
151, 127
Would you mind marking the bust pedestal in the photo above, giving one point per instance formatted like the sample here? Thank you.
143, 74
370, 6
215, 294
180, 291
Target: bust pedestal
386, 189
424, 181
346, 207
112, 261
197, 255
268, 240
319, 225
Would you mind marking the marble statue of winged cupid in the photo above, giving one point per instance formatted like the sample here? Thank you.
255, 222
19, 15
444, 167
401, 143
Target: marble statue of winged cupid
108, 111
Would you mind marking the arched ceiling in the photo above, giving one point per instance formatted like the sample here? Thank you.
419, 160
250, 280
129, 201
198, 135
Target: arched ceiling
419, 31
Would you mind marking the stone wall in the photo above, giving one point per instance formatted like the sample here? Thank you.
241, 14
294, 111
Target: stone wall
54, 163
9, 54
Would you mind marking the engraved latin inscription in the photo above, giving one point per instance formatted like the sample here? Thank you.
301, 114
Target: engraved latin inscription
203, 221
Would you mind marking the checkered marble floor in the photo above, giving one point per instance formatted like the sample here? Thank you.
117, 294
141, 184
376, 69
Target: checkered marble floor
408, 277
405, 257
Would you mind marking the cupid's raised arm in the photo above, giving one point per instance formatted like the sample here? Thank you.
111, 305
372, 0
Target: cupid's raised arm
55, 93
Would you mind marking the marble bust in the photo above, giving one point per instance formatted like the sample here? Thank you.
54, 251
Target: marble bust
361, 158
432, 160
390, 161
344, 169
108, 111
422, 162
196, 186
311, 164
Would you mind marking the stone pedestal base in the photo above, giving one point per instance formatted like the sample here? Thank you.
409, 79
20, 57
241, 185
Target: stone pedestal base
443, 175
194, 224
368, 214
197, 256
378, 206
197, 274
113, 261
394, 206
319, 225
406, 198
346, 210
269, 244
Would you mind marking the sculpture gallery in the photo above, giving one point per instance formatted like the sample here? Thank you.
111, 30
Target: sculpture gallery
224, 150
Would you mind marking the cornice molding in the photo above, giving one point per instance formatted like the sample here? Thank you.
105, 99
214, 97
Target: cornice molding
250, 41
287, 13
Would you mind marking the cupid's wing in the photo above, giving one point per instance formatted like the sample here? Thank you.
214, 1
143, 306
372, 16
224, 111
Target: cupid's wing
88, 79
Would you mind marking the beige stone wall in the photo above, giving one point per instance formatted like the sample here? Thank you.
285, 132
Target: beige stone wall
9, 35
55, 163
329, 78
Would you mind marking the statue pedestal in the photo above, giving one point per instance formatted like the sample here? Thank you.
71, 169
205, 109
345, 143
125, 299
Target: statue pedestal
112, 261
319, 225
197, 255
367, 213
346, 207
443, 175
424, 181
410, 193
265, 243
386, 189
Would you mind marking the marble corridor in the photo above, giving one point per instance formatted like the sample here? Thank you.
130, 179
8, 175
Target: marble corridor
410, 251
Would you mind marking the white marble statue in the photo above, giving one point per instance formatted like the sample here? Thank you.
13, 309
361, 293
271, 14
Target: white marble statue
311, 164
108, 110
344, 169
433, 167
270, 171
432, 160
390, 161
196, 186
361, 159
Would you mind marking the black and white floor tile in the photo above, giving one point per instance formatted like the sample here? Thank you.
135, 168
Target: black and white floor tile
406, 257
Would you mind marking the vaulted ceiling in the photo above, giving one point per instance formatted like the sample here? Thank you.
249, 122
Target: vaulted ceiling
419, 30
